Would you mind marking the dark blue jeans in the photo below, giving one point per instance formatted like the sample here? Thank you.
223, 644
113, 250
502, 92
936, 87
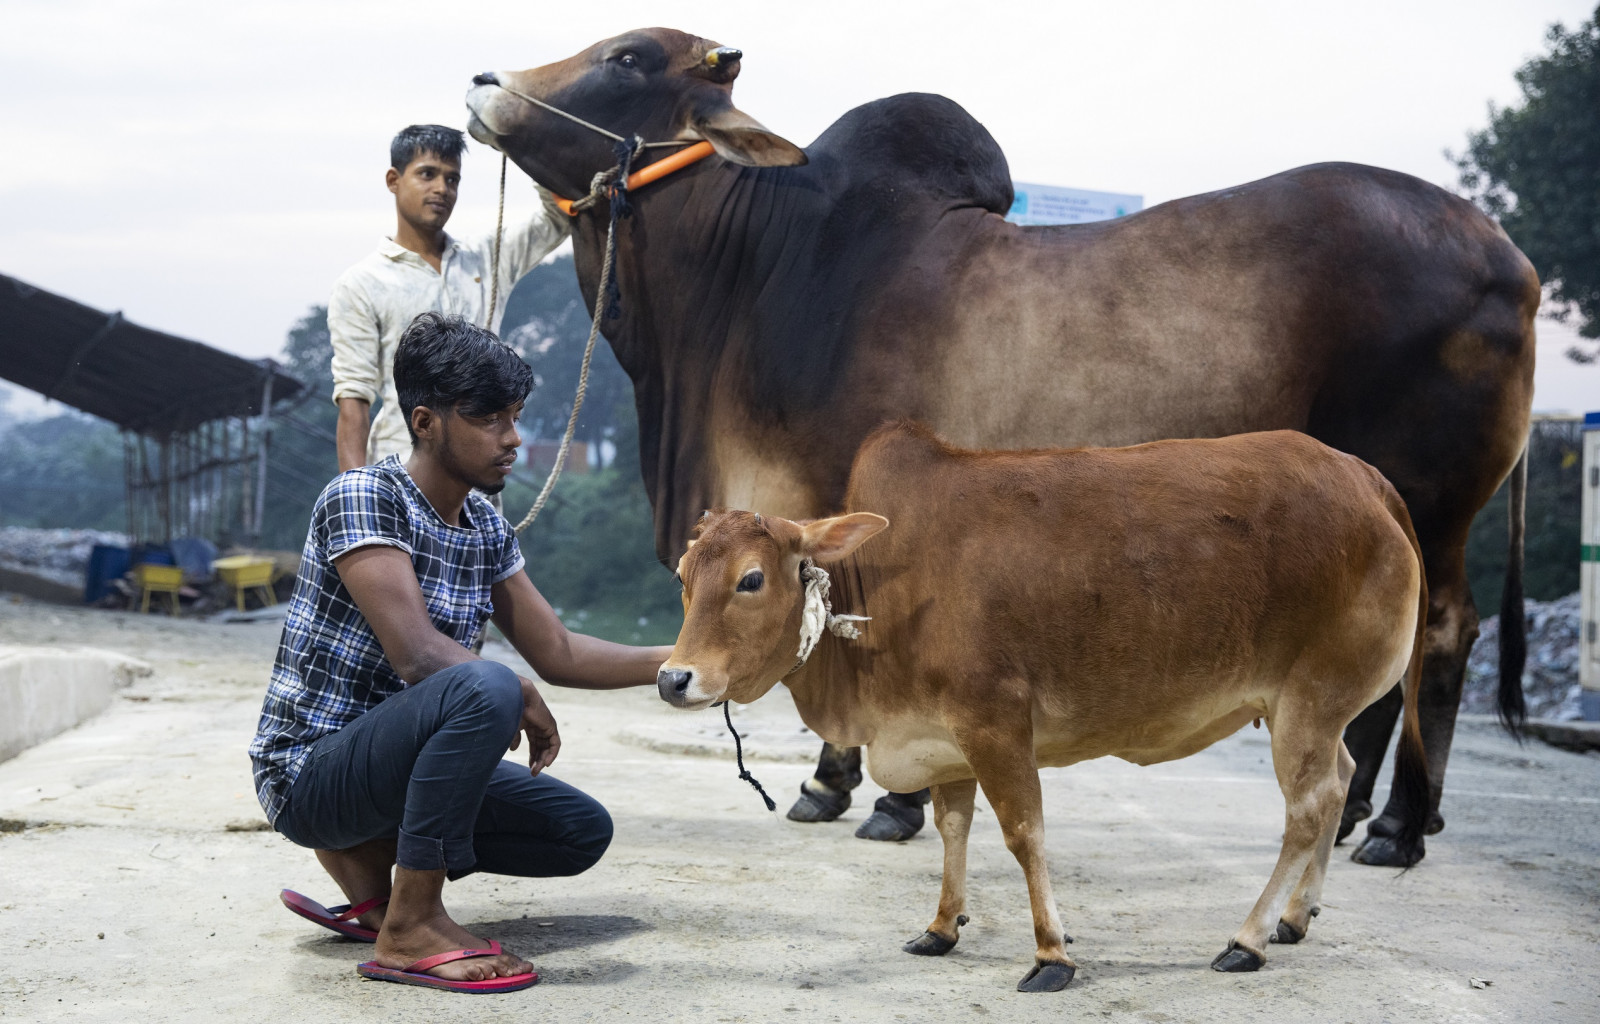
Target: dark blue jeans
424, 768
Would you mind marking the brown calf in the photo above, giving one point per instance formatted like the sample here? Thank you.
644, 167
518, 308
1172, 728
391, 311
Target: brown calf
1045, 607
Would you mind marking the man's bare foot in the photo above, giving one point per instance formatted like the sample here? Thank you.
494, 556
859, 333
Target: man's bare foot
362, 873
416, 926
399, 948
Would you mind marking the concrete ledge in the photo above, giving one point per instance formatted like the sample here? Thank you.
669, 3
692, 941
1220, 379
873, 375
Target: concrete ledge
47, 690
1574, 735
1579, 736
40, 588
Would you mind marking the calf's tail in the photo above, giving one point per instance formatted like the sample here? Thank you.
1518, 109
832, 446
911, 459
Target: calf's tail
1513, 621
1411, 785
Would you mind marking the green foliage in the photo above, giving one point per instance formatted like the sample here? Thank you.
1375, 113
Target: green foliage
303, 457
547, 323
1551, 548
592, 550
65, 471
1536, 168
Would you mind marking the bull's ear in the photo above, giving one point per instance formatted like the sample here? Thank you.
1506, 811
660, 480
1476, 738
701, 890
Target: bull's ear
828, 540
739, 138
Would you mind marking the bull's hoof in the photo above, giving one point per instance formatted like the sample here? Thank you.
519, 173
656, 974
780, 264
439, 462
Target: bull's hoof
1236, 960
1387, 852
819, 803
1047, 977
893, 820
1355, 812
1287, 934
1388, 826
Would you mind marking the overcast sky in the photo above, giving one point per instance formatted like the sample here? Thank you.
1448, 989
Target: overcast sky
209, 168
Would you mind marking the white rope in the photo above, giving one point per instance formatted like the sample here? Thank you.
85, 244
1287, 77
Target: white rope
583, 383
494, 263
575, 119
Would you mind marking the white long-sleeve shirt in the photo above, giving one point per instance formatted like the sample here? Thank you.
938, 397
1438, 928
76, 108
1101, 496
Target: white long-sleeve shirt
374, 301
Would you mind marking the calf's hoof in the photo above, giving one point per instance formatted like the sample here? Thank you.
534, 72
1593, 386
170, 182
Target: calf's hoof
819, 803
1287, 934
893, 820
932, 943
1236, 960
1354, 812
1047, 977
1387, 852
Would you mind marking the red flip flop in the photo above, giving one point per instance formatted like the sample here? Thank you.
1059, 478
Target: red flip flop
413, 975
341, 919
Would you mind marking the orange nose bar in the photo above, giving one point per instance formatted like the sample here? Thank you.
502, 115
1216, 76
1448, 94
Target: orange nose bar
656, 171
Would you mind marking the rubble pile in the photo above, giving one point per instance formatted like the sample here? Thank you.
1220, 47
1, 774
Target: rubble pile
59, 555
1550, 680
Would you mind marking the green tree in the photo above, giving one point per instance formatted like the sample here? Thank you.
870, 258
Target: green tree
62, 471
1553, 508
547, 323
1536, 168
303, 457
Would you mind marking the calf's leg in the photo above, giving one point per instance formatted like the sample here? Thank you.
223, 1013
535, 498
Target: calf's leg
1368, 739
1307, 899
1452, 628
1305, 757
952, 816
1010, 780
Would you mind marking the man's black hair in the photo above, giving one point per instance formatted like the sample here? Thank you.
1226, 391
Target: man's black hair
448, 362
425, 138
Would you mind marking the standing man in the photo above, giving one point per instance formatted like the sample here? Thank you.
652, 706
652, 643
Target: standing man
421, 269
381, 734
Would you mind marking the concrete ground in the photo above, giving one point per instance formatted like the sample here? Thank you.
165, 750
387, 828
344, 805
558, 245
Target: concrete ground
136, 882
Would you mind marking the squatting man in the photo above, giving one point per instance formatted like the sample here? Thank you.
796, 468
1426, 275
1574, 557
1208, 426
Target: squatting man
381, 736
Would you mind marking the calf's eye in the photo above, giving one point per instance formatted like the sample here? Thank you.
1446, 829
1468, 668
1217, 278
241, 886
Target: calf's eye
751, 581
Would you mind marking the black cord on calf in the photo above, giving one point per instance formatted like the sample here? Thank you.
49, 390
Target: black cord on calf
738, 752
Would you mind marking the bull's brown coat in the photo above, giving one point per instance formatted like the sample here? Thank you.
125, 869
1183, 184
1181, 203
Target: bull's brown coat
1045, 607
774, 315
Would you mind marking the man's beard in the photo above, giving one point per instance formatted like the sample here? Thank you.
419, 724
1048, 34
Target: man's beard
447, 452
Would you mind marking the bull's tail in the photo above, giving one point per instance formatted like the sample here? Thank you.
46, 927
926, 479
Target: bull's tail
1513, 623
1411, 787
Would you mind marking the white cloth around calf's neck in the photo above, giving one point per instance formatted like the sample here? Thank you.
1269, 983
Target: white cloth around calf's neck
817, 613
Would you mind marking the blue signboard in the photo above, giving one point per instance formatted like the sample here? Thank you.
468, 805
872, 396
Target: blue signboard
1047, 204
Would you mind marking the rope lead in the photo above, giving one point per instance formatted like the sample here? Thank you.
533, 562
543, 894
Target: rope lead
738, 753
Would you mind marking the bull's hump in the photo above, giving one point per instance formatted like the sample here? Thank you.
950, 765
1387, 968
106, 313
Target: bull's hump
921, 143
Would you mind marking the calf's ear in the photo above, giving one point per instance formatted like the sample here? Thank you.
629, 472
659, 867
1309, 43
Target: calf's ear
827, 540
739, 138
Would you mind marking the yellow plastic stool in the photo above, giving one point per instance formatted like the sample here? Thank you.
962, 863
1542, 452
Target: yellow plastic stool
158, 579
247, 572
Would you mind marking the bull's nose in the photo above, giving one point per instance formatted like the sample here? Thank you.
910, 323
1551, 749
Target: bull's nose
485, 78
671, 683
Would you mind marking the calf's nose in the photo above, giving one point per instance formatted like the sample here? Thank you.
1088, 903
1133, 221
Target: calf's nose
671, 684
485, 78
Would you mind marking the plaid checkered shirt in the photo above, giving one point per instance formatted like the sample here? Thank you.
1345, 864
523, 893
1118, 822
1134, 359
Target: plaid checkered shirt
330, 667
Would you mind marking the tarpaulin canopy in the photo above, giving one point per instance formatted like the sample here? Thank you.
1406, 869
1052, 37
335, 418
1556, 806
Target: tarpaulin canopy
138, 378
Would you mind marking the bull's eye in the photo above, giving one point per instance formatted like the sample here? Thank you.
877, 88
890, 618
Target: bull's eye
629, 61
751, 582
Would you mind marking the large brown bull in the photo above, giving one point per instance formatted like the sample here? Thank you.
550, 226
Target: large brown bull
778, 304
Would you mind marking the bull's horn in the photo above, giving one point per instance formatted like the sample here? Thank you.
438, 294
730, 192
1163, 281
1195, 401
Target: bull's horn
723, 55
